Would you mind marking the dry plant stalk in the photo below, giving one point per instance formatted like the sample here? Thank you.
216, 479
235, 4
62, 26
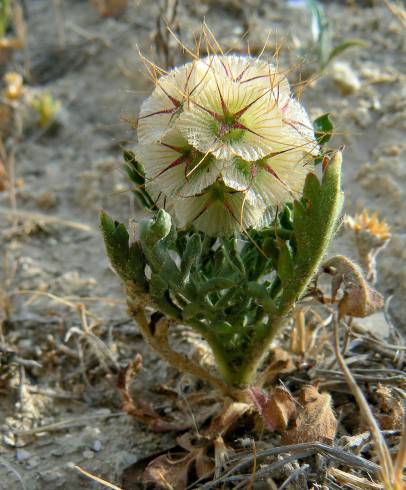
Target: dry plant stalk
398, 10
157, 337
166, 25
18, 42
96, 478
352, 481
391, 475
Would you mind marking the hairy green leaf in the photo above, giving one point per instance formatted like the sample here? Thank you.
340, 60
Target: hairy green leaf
323, 128
128, 261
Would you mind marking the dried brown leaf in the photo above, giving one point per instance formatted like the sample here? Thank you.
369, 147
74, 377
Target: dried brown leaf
110, 8
204, 465
166, 473
276, 410
359, 299
140, 409
391, 407
315, 422
174, 471
3, 177
232, 412
170, 472
281, 362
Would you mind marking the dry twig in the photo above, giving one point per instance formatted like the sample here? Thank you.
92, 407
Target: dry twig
386, 473
45, 219
96, 478
159, 342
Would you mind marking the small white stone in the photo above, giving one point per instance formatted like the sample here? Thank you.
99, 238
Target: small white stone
22, 455
345, 78
376, 324
363, 117
97, 446
33, 462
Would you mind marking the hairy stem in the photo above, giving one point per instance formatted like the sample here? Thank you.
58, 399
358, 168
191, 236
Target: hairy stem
158, 341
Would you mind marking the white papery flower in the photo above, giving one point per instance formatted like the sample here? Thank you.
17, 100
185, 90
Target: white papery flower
273, 180
249, 71
229, 119
222, 140
161, 109
176, 167
219, 211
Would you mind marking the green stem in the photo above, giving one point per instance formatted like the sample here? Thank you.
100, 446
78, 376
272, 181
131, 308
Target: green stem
315, 235
243, 374
158, 341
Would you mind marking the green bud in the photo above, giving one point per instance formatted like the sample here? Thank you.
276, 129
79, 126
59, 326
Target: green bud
155, 229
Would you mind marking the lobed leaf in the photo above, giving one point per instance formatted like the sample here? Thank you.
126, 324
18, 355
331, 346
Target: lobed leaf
128, 261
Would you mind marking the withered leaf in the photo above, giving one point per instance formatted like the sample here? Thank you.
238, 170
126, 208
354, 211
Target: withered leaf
166, 473
359, 299
232, 412
281, 362
315, 421
110, 8
204, 465
391, 407
276, 410
140, 409
174, 471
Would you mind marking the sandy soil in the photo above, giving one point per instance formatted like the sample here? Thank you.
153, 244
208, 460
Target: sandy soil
91, 65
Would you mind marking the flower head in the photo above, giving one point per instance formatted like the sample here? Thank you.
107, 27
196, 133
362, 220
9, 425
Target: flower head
223, 140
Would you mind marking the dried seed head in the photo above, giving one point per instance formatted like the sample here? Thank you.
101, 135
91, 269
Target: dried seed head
364, 222
222, 140
371, 236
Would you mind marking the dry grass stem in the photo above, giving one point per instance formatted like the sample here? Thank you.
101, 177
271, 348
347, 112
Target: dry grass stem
398, 11
97, 478
44, 219
387, 470
353, 481
67, 424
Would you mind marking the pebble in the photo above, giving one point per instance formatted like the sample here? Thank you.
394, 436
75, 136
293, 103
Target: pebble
47, 200
50, 476
33, 462
60, 451
97, 446
345, 78
22, 455
394, 151
362, 117
376, 324
88, 454
374, 74
25, 344
123, 459
9, 439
